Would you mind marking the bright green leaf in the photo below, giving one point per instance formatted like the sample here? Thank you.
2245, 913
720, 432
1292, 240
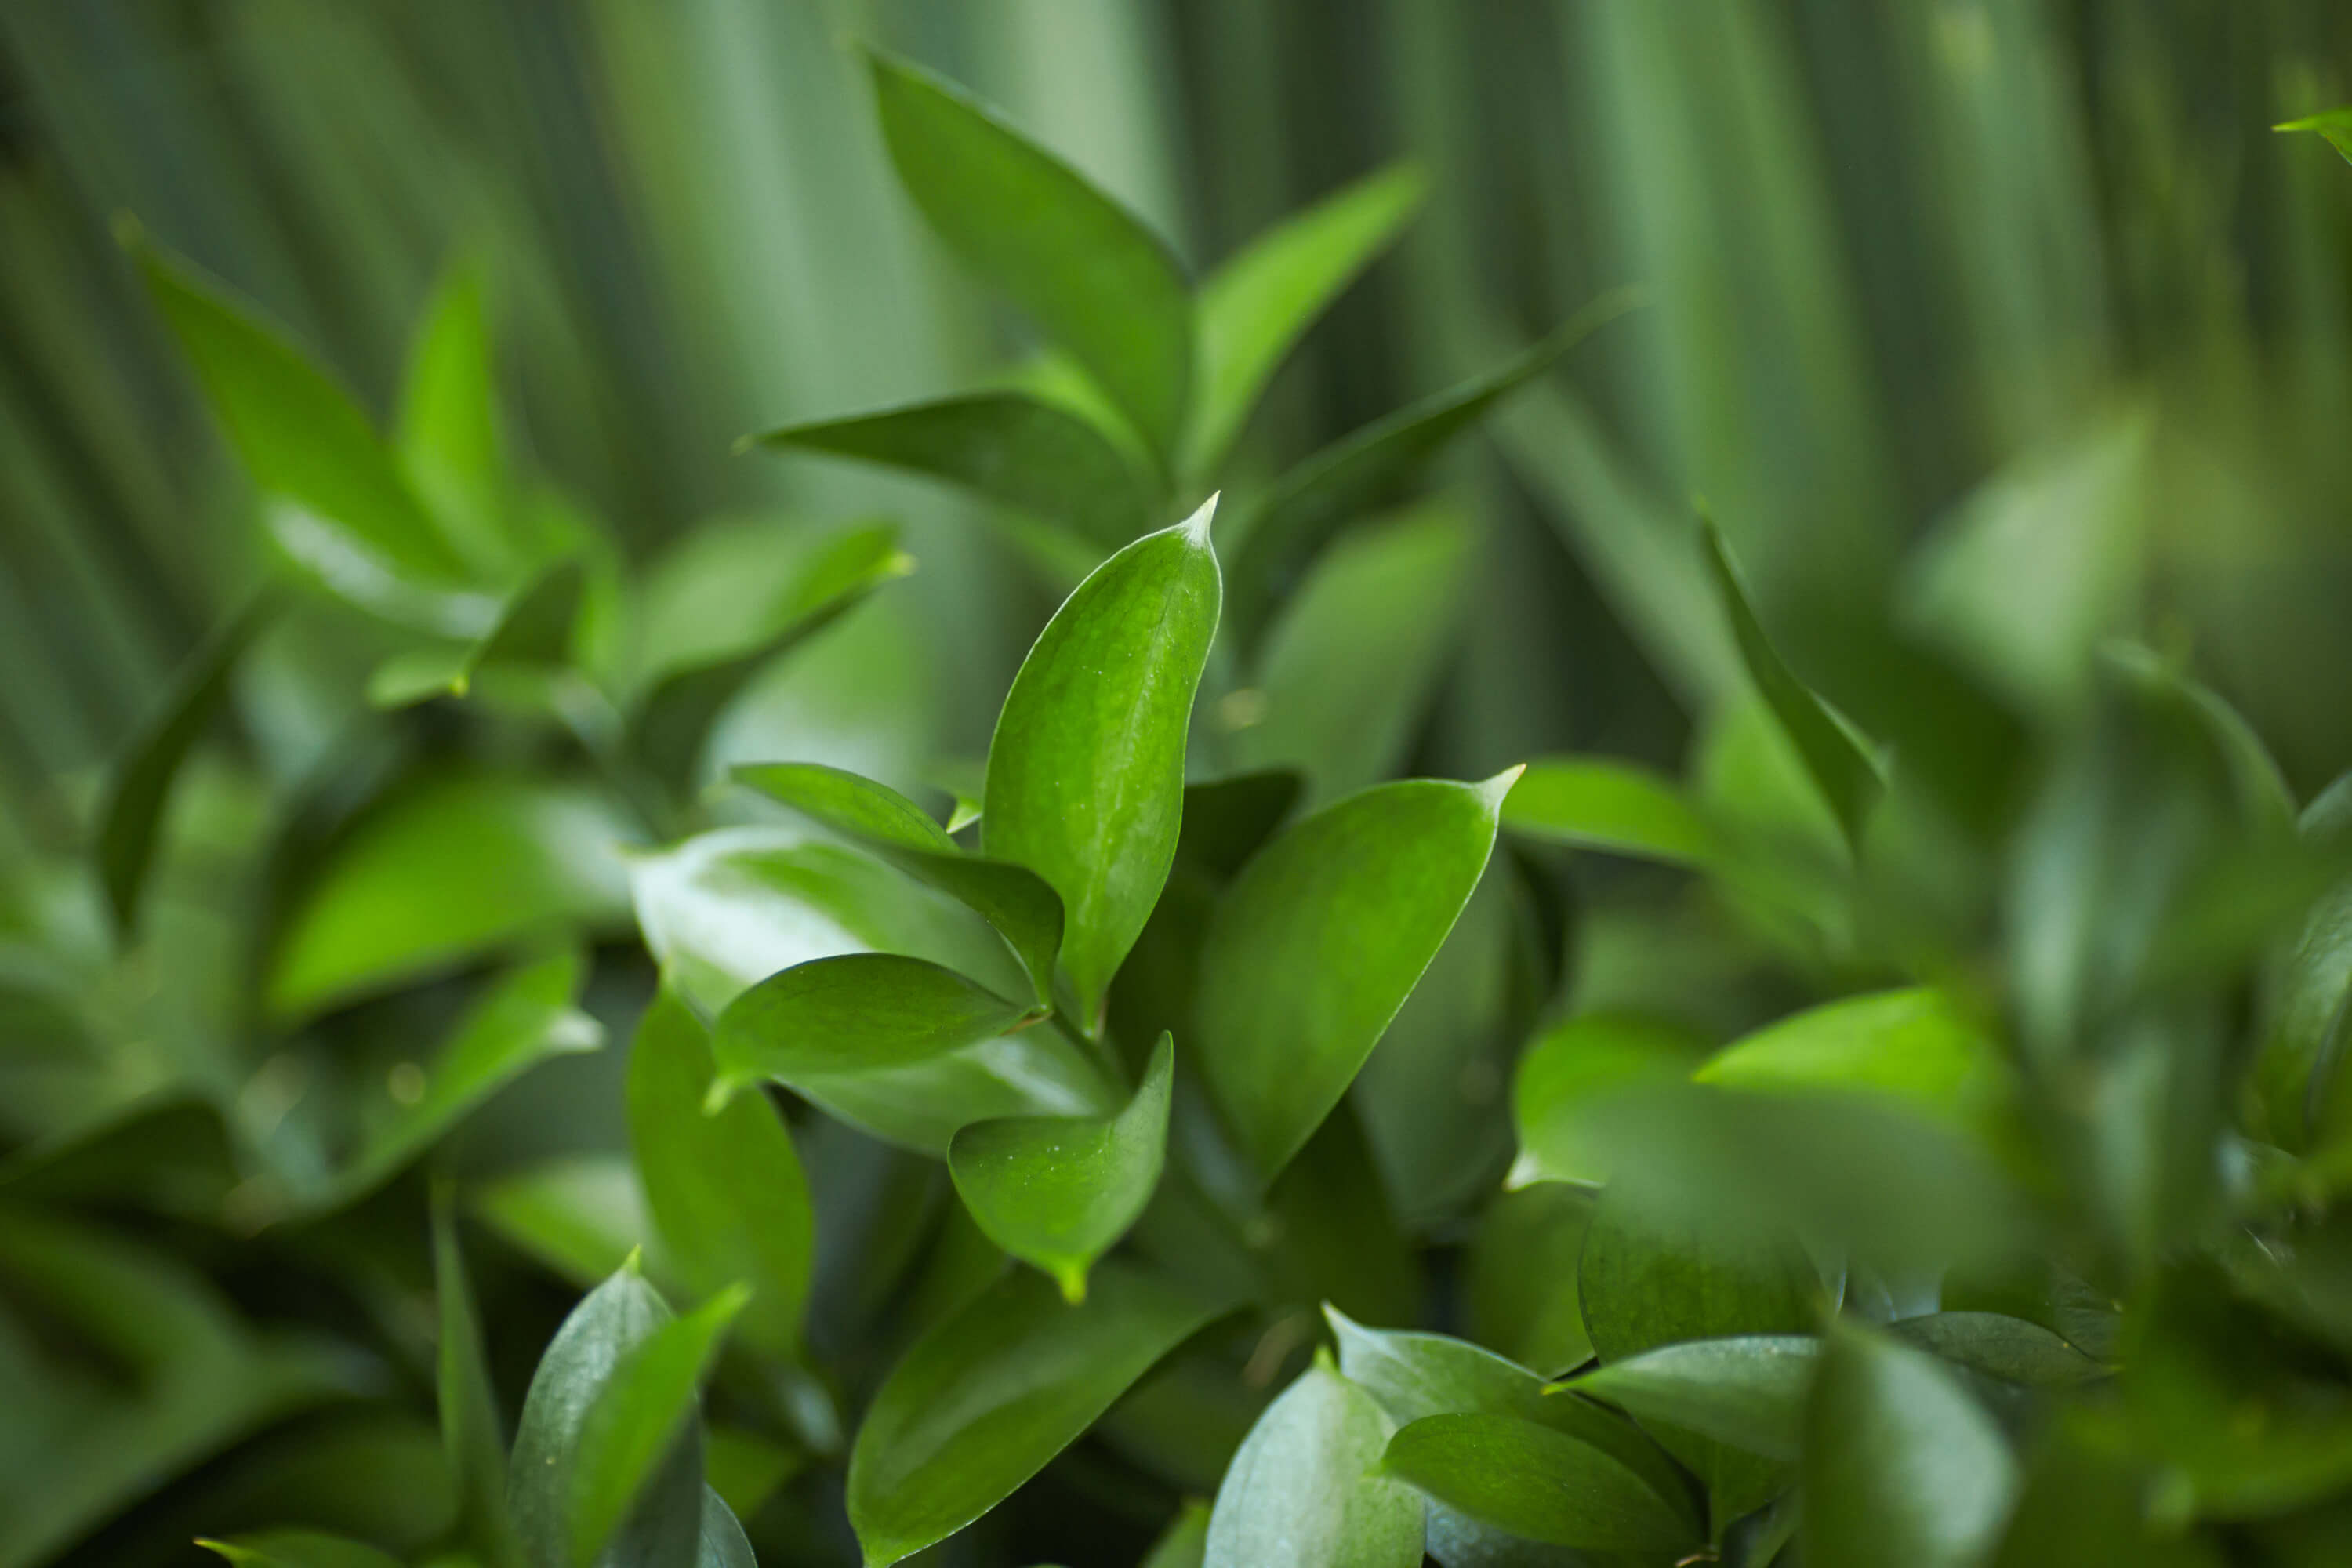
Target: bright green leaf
856, 1013
984, 1399
638, 1418
580, 1218
1303, 1491
1748, 1391
1057, 1191
1900, 1464
1083, 268
1318, 943
1257, 307
726, 1191
1005, 446
1914, 1046
1568, 1080
533, 633
1086, 772
1840, 763
1013, 898
446, 434
1532, 1480
299, 1549
2336, 125
1592, 802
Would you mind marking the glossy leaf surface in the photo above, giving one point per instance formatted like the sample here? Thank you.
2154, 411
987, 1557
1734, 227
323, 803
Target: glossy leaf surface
1304, 1490
1748, 1391
1531, 1480
644, 1411
858, 1013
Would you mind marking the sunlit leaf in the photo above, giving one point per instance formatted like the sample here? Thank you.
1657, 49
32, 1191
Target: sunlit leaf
1592, 803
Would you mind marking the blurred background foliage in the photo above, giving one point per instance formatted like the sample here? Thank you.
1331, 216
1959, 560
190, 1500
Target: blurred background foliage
2029, 281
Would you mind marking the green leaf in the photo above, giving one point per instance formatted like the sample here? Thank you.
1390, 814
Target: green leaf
1007, 446
579, 1216
140, 785
1318, 943
340, 510
1255, 308
441, 872
1748, 1391
986, 1397
856, 1013
1057, 1191
1568, 1084
583, 1360
1656, 1271
1185, 1542
1083, 268
1592, 802
1086, 772
2299, 1074
1900, 1464
1532, 1480
299, 1549
533, 633
470, 1436
446, 436
724, 1544
1310, 505
2010, 1349
1345, 680
1520, 1294
523, 1017
1013, 898
1840, 764
670, 718
1302, 1490
2336, 125
1914, 1046
638, 1418
726, 1191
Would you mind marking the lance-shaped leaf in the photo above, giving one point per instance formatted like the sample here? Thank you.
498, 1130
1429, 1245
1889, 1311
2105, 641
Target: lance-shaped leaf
340, 510
859, 1012
1997, 1345
1592, 802
141, 783
1007, 446
672, 717
725, 1190
1057, 1191
1302, 1489
1841, 765
984, 1399
1014, 899
1747, 1390
533, 632
446, 434
1087, 269
2336, 125
471, 1438
1532, 1480
665, 1523
637, 1421
299, 1549
724, 1544
1318, 943
1257, 307
1086, 772
1340, 484
524, 1017
1900, 1463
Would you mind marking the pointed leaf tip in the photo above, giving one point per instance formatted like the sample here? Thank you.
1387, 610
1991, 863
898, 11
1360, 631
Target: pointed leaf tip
1493, 791
1196, 527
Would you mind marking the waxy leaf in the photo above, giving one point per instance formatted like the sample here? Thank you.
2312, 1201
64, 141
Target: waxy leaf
1303, 1490
1748, 1391
340, 509
299, 1549
1337, 486
1900, 1464
856, 1013
986, 1397
2010, 1349
1316, 946
671, 718
1592, 803
581, 1361
442, 872
1007, 446
470, 1433
523, 1018
1532, 1480
724, 1544
1057, 1191
725, 1190
1086, 772
1841, 765
1083, 268
1257, 307
1013, 898
533, 633
141, 785
638, 1420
